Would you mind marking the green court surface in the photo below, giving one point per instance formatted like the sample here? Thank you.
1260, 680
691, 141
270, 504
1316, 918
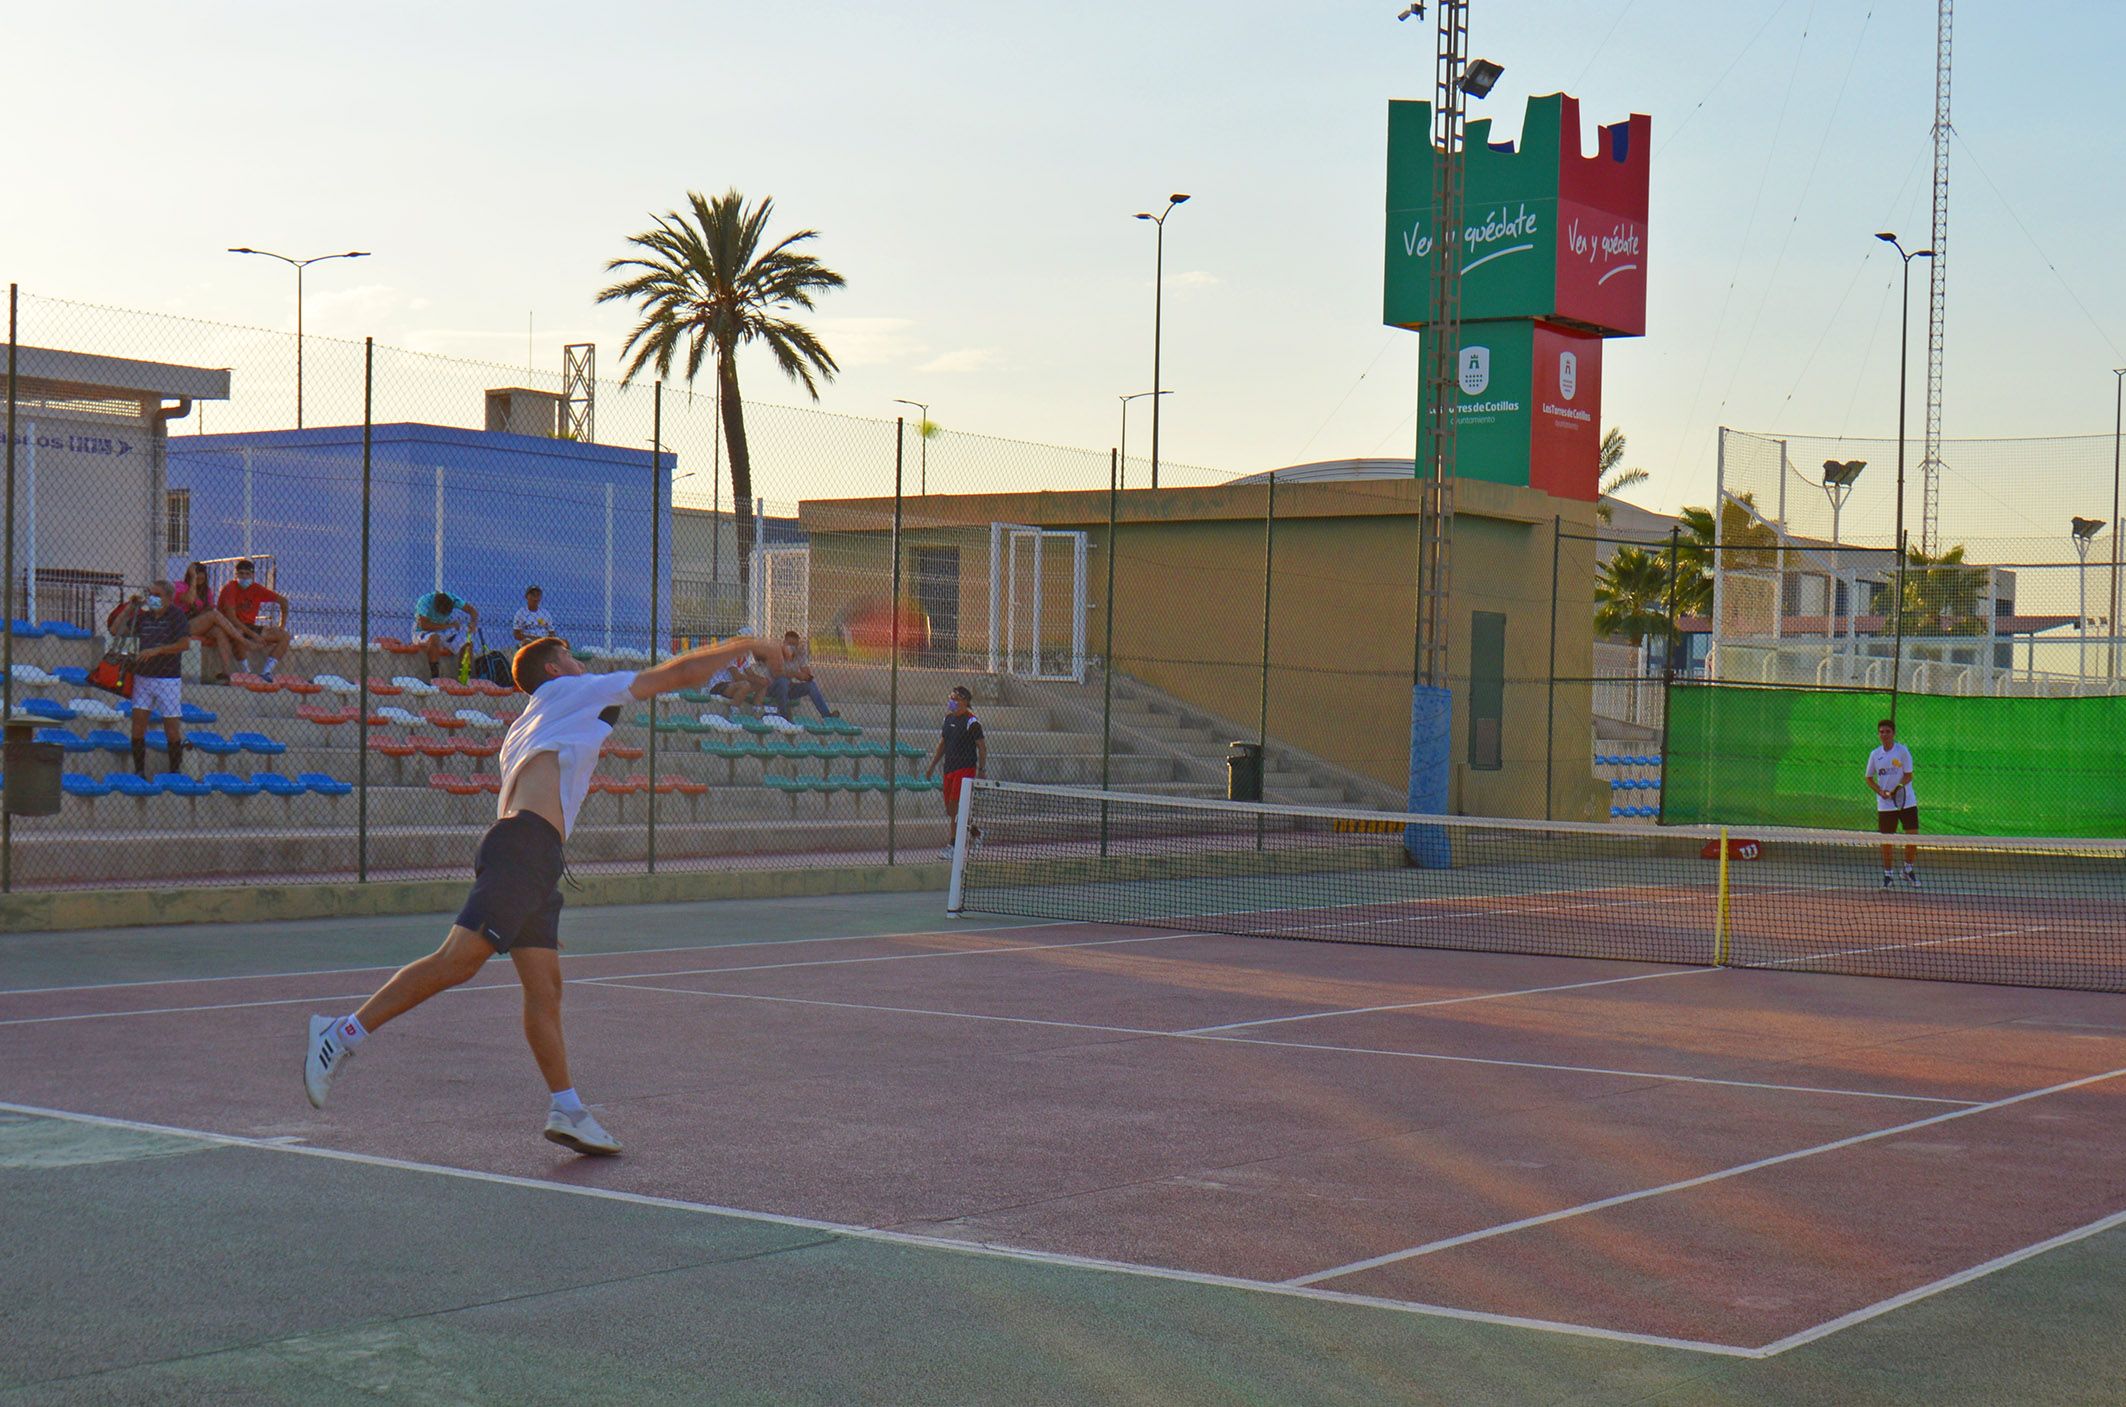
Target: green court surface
162, 1245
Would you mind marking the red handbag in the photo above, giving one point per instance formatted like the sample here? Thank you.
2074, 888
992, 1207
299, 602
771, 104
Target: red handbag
113, 673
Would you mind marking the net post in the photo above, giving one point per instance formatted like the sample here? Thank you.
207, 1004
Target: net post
361, 756
956, 888
1720, 909
1107, 626
1550, 697
893, 670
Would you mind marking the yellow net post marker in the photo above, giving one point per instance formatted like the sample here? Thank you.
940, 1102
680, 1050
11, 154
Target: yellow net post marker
1720, 917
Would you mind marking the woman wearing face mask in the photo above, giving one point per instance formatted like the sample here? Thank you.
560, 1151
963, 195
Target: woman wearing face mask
195, 597
158, 668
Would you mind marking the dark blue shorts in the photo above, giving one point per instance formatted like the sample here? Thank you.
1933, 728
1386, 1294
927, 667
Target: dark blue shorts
516, 889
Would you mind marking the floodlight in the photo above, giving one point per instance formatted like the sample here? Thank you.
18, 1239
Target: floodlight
1842, 475
2087, 528
1479, 77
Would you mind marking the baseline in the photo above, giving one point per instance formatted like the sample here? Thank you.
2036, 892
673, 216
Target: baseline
901, 1238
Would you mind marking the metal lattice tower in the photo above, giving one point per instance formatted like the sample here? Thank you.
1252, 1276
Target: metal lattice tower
1443, 332
1930, 465
579, 392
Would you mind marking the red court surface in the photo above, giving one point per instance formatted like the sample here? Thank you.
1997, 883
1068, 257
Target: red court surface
1723, 1160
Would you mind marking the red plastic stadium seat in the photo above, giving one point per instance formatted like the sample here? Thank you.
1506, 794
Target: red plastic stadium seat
491, 689
435, 747
383, 686
665, 785
456, 690
257, 684
489, 782
621, 751
444, 720
479, 749
454, 784
296, 684
687, 788
324, 717
391, 747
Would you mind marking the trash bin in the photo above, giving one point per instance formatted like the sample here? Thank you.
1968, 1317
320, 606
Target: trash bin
31, 770
1243, 772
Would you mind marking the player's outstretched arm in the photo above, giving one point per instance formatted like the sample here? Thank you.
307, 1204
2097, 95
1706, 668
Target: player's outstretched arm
696, 667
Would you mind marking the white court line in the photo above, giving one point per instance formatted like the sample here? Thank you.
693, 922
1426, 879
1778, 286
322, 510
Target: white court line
1947, 1282
622, 953
1581, 1069
619, 979
1448, 1001
903, 1238
897, 957
1622, 1198
1142, 1031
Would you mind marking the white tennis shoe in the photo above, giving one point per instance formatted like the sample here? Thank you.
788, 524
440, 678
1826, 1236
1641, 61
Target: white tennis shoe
581, 1132
327, 1053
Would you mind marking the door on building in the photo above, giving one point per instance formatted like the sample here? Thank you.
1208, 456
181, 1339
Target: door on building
937, 595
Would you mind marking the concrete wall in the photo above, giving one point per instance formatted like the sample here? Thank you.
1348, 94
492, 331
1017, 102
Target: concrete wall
1189, 595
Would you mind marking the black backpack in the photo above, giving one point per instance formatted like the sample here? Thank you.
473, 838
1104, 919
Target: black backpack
491, 665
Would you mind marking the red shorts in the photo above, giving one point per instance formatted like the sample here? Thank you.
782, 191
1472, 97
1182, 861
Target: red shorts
953, 782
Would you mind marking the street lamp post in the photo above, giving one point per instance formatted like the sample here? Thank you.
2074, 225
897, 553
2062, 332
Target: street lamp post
2118, 423
1904, 342
300, 265
922, 439
1158, 313
2084, 529
1123, 457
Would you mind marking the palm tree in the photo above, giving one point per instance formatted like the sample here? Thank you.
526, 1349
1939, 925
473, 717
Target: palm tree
1943, 594
1631, 596
1610, 479
707, 281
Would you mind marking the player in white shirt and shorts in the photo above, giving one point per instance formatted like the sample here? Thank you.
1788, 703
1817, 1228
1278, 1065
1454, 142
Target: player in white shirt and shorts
548, 758
1889, 776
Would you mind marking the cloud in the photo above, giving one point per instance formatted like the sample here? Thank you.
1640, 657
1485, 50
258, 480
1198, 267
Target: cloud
965, 359
1195, 278
868, 341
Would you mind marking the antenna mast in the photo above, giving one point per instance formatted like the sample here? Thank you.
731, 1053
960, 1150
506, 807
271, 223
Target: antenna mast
1937, 286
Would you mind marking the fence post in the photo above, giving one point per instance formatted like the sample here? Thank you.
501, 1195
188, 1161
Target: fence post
361, 758
656, 569
1107, 649
7, 597
1897, 649
1550, 702
893, 668
1668, 657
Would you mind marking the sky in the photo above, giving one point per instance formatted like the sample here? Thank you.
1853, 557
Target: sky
973, 169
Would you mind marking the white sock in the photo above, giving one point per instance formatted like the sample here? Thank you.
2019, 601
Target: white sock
350, 1031
567, 1101
268, 671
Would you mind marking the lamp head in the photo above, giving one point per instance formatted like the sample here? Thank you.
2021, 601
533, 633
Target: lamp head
243, 251
356, 254
1886, 237
1841, 474
1479, 78
1178, 199
1144, 214
2087, 528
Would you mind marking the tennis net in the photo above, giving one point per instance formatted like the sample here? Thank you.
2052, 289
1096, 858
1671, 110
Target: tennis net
2043, 913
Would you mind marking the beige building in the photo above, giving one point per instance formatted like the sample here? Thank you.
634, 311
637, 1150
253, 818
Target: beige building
1188, 598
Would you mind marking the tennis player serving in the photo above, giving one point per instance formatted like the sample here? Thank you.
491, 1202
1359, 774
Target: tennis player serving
548, 757
1890, 778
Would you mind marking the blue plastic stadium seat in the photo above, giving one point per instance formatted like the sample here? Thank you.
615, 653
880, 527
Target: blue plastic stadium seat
111, 741
214, 744
194, 715
64, 739
274, 784
1616, 784
229, 784
126, 784
65, 630
324, 783
74, 674
48, 708
81, 784
24, 629
178, 784
259, 743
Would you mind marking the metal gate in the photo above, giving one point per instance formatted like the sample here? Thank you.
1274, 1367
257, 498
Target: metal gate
1037, 602
782, 590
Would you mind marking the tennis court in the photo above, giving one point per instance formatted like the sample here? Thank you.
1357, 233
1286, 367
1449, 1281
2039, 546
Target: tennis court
875, 1155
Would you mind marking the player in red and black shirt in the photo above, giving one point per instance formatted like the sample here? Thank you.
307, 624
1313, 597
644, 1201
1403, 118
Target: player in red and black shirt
964, 752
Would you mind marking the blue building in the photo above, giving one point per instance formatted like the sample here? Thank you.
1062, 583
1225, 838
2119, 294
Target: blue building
482, 514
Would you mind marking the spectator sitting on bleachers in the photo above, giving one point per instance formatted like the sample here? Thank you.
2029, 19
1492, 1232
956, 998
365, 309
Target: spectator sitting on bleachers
740, 681
158, 668
442, 624
213, 630
240, 600
532, 622
797, 677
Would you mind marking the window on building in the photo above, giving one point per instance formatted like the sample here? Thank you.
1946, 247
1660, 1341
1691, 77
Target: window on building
1487, 689
180, 523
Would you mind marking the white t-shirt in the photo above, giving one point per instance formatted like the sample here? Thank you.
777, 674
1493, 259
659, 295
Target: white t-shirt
533, 623
562, 719
1887, 768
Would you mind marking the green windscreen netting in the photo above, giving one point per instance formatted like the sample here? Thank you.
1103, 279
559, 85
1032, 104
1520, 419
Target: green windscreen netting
1982, 765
